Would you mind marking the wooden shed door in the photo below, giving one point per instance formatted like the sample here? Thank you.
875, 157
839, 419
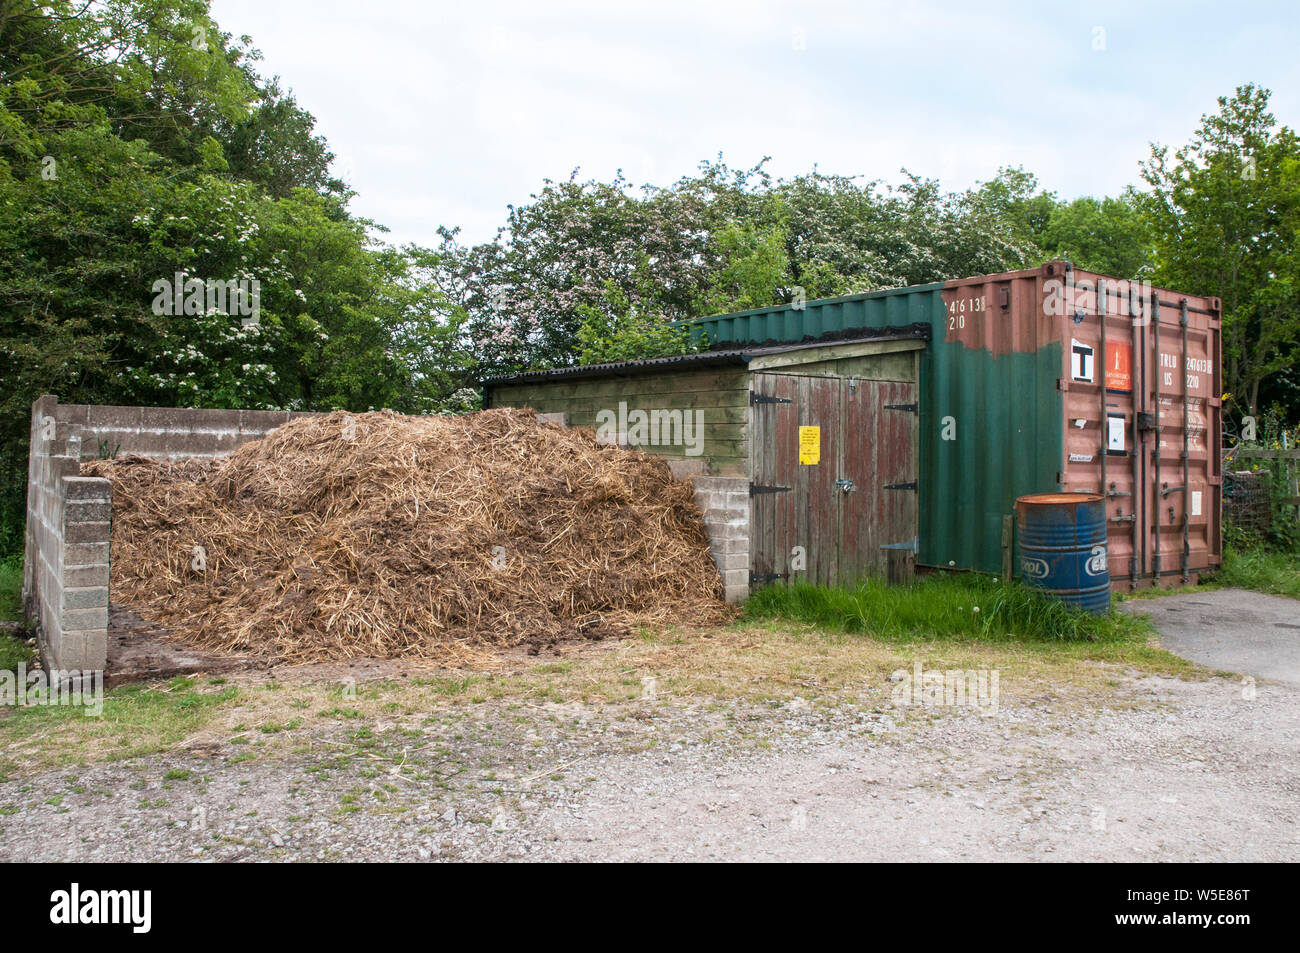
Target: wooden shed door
853, 512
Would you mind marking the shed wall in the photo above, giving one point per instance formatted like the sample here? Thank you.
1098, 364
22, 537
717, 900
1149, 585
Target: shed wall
717, 398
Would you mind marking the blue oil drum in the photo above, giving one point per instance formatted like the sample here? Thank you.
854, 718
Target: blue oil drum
1062, 540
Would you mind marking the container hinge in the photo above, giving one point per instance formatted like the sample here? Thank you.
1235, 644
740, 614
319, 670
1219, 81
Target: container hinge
901, 486
757, 488
758, 578
757, 398
912, 546
910, 408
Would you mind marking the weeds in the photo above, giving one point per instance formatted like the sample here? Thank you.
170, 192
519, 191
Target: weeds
963, 607
1262, 570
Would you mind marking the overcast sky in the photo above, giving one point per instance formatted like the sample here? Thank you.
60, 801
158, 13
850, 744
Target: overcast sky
443, 113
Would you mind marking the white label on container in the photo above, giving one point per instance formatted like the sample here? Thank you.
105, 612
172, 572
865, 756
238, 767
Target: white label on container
1080, 361
1115, 433
1196, 502
1081, 458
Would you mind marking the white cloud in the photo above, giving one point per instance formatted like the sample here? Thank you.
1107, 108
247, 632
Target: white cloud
450, 111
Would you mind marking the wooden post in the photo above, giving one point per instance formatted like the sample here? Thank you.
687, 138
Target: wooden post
1008, 535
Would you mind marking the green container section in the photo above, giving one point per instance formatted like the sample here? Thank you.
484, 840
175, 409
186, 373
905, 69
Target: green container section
1005, 436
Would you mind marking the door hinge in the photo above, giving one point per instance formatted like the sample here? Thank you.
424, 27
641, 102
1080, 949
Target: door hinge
757, 488
914, 545
901, 486
910, 408
756, 398
758, 578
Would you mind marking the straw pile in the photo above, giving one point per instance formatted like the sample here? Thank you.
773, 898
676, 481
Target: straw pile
379, 535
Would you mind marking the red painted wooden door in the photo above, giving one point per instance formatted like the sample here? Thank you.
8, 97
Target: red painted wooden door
850, 514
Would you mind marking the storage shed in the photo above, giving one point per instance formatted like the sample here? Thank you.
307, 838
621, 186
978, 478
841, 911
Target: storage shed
933, 408
824, 432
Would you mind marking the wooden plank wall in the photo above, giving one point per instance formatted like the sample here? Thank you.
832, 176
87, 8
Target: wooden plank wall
721, 394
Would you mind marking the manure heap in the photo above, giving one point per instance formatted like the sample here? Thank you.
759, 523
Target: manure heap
385, 536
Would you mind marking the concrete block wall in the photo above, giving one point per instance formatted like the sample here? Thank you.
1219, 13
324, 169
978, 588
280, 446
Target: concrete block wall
65, 572
724, 501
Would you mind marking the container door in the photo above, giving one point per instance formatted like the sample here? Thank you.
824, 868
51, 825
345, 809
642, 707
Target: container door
833, 493
1142, 416
1181, 445
878, 517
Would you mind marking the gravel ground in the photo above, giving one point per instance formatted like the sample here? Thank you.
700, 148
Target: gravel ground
1172, 771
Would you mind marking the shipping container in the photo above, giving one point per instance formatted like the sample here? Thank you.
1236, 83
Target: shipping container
1047, 380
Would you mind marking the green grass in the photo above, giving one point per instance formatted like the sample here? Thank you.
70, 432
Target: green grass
13, 650
966, 607
11, 584
136, 720
1261, 570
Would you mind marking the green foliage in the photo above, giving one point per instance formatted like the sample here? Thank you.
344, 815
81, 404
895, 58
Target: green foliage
755, 268
620, 333
1108, 235
1260, 569
11, 584
959, 607
1224, 212
189, 168
13, 648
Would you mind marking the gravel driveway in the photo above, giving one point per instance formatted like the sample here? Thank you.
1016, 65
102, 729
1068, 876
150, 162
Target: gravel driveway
1176, 770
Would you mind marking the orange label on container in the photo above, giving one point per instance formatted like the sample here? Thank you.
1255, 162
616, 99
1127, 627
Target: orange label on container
1119, 367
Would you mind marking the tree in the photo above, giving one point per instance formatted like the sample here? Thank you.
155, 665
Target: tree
142, 161
1109, 235
1224, 211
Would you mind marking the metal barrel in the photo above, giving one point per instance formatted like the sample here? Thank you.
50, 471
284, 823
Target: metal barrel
1062, 540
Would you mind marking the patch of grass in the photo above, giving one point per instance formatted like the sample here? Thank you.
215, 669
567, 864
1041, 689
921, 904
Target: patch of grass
1262, 570
13, 649
966, 607
135, 721
11, 585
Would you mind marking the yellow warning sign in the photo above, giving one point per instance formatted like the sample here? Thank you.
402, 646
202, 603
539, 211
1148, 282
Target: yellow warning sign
810, 445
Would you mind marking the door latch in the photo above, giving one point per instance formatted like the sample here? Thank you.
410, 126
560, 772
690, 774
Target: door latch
845, 486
